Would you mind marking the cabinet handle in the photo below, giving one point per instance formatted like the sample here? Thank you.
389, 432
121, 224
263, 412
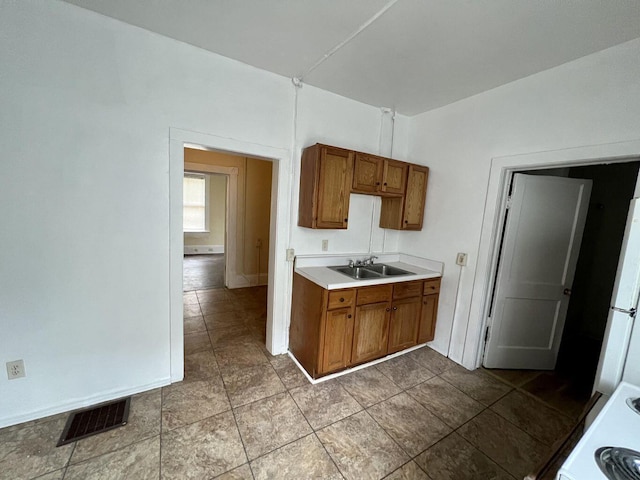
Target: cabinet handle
346, 220
349, 316
342, 299
388, 309
385, 184
395, 308
377, 183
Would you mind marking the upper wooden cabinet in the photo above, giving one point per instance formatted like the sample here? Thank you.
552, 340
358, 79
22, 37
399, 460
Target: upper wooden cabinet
378, 175
329, 174
407, 212
325, 184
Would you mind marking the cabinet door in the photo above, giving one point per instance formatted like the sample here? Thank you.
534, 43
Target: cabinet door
367, 173
334, 187
394, 177
415, 197
428, 318
370, 332
338, 336
403, 327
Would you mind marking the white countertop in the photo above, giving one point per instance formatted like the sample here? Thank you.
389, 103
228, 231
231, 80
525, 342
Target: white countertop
315, 268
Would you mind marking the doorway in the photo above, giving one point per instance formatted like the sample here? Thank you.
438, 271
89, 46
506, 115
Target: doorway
572, 379
279, 229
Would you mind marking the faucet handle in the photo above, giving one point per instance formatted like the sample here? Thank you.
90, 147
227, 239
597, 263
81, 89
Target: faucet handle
351, 263
372, 258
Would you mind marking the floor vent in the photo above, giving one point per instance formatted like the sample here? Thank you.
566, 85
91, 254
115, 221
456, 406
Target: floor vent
93, 420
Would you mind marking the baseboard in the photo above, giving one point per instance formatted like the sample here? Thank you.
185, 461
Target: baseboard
255, 279
203, 249
81, 403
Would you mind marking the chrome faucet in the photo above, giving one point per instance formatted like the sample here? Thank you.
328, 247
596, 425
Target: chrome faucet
369, 261
351, 264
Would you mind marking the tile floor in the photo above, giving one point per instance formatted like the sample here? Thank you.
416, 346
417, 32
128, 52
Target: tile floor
241, 413
203, 271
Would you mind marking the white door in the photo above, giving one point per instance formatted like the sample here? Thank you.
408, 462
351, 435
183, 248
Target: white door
621, 338
540, 249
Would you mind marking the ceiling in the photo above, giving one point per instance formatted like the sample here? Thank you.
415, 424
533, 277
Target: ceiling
408, 55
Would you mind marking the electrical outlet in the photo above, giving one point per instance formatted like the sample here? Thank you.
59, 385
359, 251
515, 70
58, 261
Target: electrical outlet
325, 245
291, 254
15, 369
461, 259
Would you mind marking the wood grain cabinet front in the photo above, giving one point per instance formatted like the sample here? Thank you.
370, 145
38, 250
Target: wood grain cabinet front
407, 212
378, 175
336, 329
325, 187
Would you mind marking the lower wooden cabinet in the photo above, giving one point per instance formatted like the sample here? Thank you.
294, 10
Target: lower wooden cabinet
337, 329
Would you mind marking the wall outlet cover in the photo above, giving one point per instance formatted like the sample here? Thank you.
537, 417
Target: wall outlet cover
461, 259
325, 245
15, 369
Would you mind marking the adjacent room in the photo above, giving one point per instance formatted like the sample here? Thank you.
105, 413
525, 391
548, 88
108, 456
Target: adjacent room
342, 239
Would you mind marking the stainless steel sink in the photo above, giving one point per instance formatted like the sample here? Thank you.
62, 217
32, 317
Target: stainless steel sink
362, 272
356, 272
387, 270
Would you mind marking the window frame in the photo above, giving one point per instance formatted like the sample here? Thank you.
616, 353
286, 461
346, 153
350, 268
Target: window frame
207, 201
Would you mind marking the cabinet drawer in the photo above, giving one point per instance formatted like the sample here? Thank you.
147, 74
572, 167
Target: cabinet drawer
407, 289
340, 298
431, 286
374, 294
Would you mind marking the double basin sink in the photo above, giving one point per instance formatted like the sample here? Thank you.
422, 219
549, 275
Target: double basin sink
364, 272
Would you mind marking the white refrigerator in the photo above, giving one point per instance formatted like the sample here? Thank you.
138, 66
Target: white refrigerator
620, 357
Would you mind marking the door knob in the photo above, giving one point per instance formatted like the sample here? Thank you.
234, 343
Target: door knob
567, 291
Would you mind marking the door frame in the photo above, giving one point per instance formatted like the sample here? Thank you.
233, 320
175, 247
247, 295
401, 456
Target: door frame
277, 302
230, 230
473, 327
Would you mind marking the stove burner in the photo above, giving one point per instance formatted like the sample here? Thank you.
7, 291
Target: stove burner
618, 463
634, 404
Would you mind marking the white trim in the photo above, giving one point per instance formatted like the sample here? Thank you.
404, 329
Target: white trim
502, 168
81, 403
278, 300
203, 249
331, 376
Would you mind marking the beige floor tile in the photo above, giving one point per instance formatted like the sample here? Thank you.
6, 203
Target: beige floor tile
288, 372
235, 318
432, 360
212, 295
143, 423
302, 459
240, 356
203, 449
185, 403
411, 425
269, 424
196, 342
194, 324
361, 448
140, 461
324, 403
191, 310
368, 386
218, 306
201, 366
477, 384
251, 384
190, 298
445, 401
29, 451
537, 419
404, 371
516, 378
507, 445
453, 458
223, 337
409, 471
243, 472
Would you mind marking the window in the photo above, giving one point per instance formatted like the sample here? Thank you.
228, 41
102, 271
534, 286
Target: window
195, 202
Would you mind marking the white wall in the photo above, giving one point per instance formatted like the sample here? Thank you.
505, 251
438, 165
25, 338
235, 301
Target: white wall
591, 101
87, 104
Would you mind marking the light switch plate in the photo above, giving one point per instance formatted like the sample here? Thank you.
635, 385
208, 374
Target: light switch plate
325, 245
461, 259
291, 254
